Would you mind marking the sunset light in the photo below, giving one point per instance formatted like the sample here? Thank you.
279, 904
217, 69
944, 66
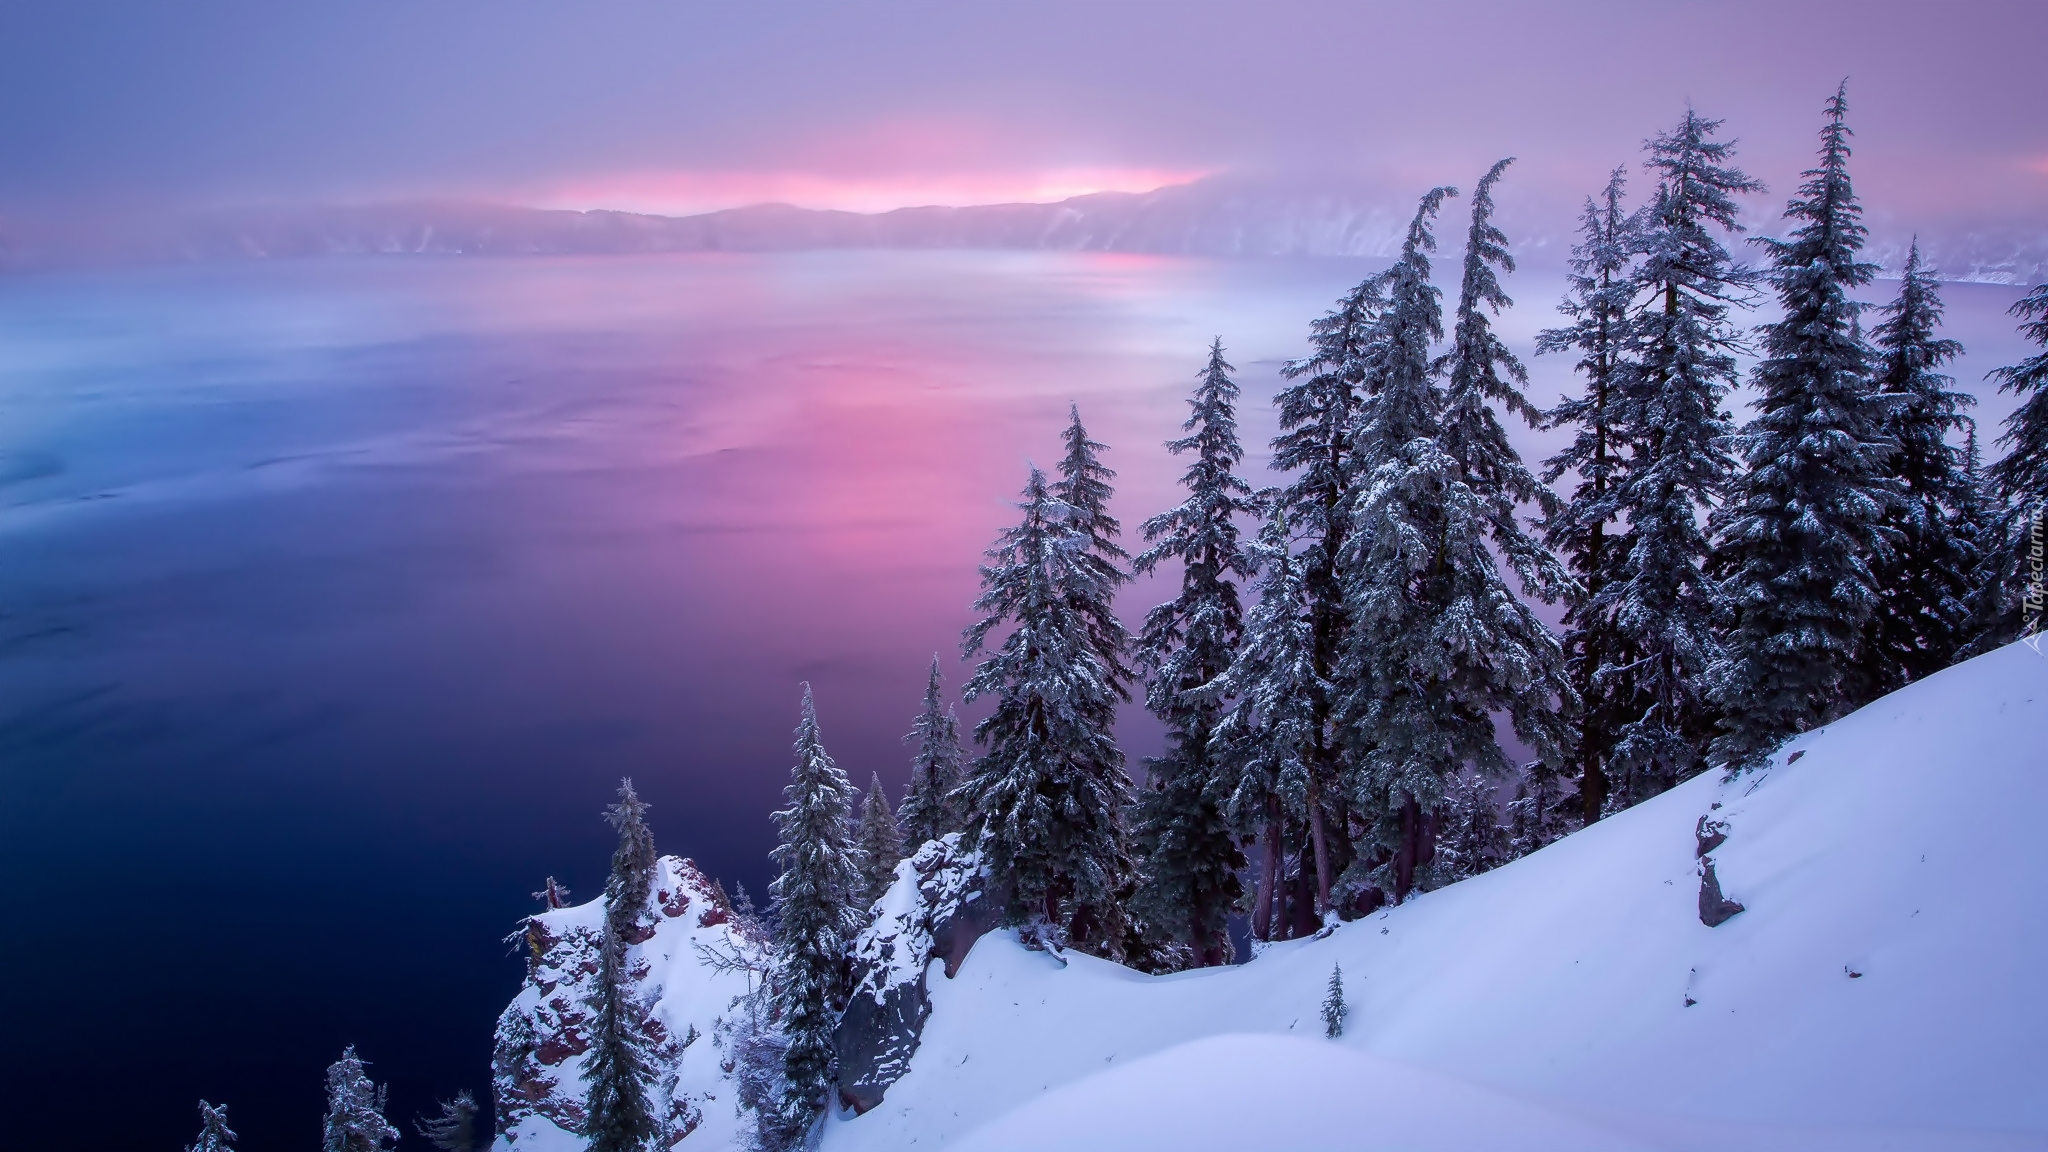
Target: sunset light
684, 193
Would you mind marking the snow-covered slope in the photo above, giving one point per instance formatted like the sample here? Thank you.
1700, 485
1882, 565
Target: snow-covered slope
1886, 988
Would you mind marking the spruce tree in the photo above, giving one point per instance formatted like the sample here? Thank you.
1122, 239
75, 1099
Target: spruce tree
1268, 739
1926, 607
553, 895
454, 1130
1480, 374
618, 1115
1583, 528
1659, 604
1438, 642
214, 1133
1804, 528
1045, 800
1084, 487
1979, 522
355, 1109
633, 862
1190, 860
929, 811
1538, 815
815, 923
1334, 1008
2022, 475
2012, 584
880, 844
1316, 413
1473, 839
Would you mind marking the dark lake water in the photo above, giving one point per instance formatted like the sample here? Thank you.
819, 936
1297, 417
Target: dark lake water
335, 597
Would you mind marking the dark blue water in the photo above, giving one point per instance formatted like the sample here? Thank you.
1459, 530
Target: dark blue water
336, 597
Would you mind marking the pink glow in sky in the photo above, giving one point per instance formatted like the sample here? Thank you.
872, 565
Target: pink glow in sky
682, 192
673, 106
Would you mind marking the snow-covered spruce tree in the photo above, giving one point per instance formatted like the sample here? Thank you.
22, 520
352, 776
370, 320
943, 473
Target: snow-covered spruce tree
1316, 412
454, 1130
1045, 800
1479, 373
1189, 858
553, 894
632, 877
1538, 815
355, 1109
1583, 529
1334, 1008
1659, 600
815, 922
2022, 475
1925, 611
2020, 480
1084, 488
1438, 642
1269, 736
1473, 839
618, 1114
214, 1133
1980, 521
1797, 543
929, 811
880, 846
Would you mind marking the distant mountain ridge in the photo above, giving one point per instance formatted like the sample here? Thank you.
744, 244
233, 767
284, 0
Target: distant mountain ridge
1189, 219
1216, 217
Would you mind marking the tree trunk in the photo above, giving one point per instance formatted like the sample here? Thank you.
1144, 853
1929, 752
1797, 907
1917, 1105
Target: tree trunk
1404, 855
1269, 874
1320, 839
1305, 921
1592, 784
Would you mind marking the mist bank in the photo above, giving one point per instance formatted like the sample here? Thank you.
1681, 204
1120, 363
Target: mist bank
1214, 218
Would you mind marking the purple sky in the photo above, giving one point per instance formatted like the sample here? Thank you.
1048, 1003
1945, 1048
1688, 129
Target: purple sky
686, 104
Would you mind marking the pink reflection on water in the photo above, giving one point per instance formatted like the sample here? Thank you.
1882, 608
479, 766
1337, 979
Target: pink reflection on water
788, 469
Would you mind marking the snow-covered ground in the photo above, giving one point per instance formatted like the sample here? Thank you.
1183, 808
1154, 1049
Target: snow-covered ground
1887, 987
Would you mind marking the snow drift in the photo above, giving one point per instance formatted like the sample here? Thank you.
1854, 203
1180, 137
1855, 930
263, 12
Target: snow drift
1884, 988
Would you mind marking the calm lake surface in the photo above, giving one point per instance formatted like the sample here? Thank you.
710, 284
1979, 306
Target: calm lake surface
335, 597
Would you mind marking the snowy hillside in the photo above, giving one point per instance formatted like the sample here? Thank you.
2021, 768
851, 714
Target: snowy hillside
1886, 988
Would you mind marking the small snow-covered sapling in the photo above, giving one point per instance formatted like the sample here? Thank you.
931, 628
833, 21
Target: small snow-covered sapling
1334, 1008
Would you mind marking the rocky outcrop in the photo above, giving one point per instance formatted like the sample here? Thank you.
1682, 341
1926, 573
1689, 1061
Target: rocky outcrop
682, 965
936, 909
1715, 908
1708, 835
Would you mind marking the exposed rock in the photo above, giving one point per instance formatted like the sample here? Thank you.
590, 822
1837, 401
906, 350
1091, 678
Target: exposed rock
1709, 834
1715, 909
935, 910
543, 1035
